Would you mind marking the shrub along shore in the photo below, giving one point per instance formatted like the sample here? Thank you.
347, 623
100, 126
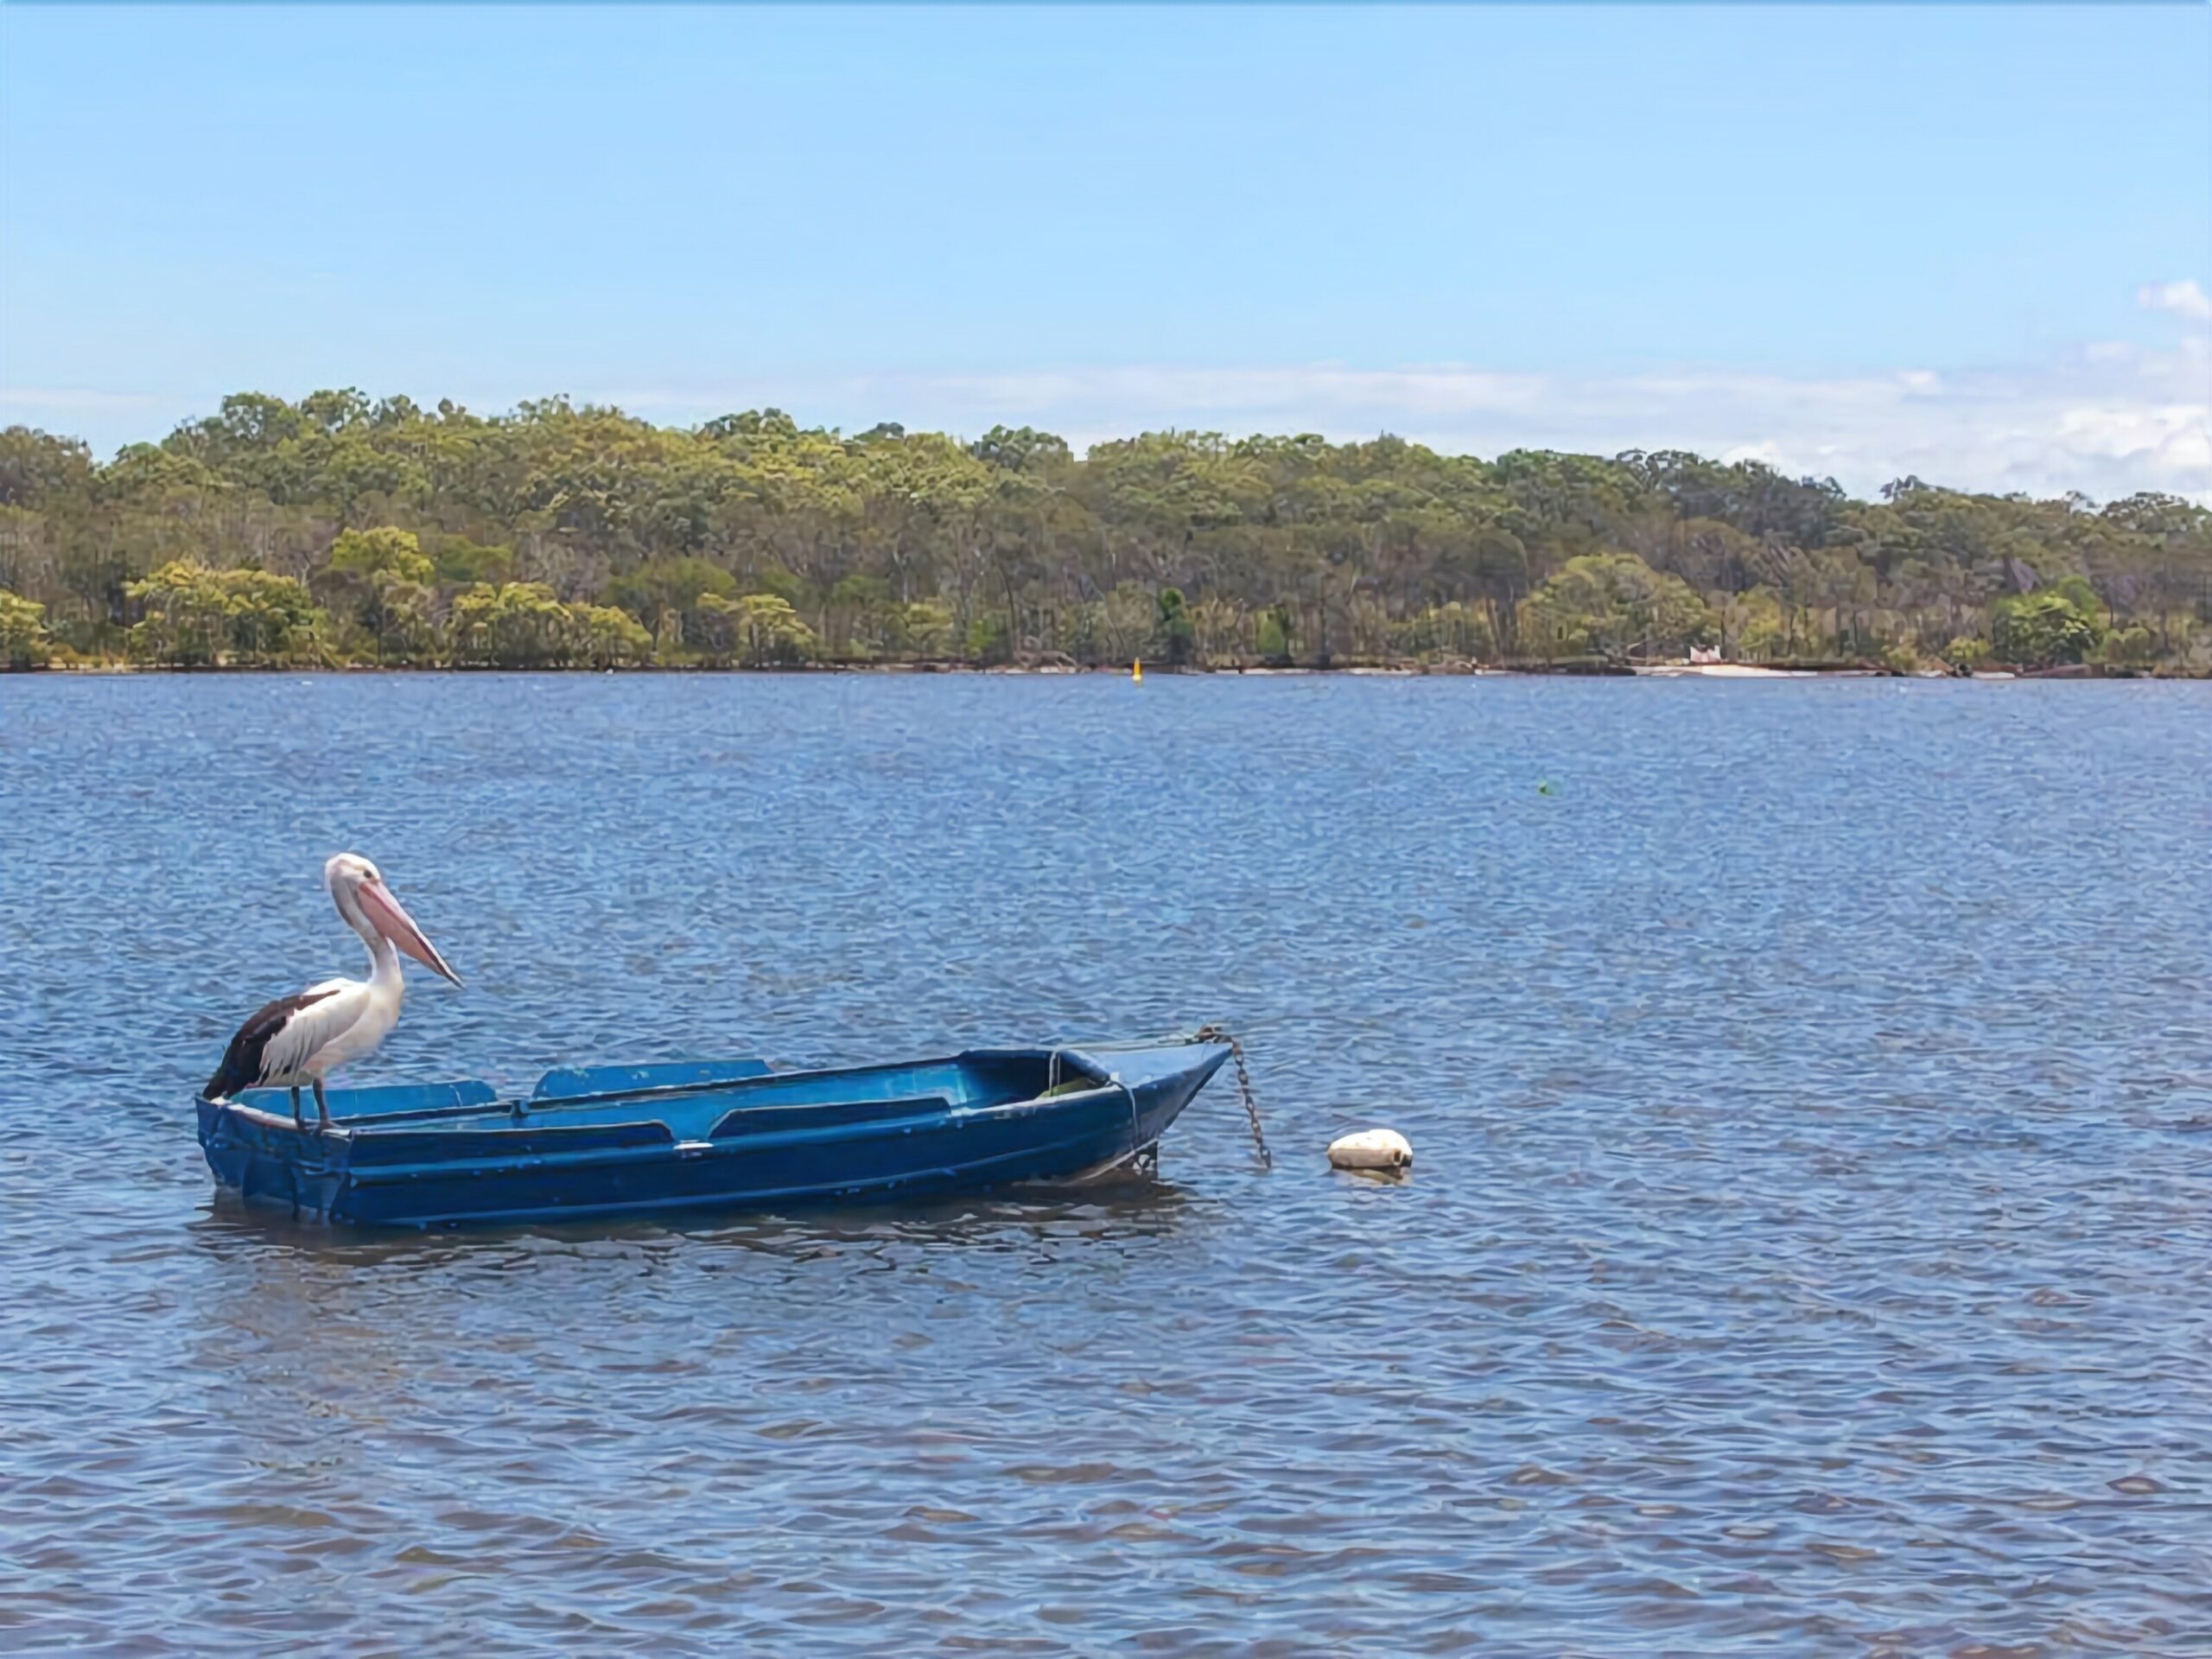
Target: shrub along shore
1554, 667
339, 532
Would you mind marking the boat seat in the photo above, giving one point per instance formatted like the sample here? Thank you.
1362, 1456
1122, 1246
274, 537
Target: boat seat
380, 1100
771, 1118
449, 1145
575, 1082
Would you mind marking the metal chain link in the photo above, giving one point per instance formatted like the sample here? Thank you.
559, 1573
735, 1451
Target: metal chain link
1203, 1034
1217, 1035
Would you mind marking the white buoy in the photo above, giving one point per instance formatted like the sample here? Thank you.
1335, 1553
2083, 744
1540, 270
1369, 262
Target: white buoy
1372, 1149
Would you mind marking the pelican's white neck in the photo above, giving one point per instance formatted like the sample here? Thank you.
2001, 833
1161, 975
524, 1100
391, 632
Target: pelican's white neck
384, 964
383, 957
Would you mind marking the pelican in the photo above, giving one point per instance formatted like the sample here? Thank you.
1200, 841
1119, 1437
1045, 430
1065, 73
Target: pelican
299, 1039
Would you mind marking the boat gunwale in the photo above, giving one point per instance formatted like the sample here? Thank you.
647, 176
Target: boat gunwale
923, 1110
525, 1115
519, 1108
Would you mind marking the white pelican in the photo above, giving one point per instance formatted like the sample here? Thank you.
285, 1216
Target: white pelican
297, 1039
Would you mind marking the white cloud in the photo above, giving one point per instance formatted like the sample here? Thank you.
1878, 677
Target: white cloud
2107, 421
2186, 299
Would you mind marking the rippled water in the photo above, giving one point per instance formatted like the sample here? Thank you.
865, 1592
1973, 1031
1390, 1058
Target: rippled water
1811, 1249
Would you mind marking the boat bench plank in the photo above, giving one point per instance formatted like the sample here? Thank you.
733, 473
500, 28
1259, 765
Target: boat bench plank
582, 1082
382, 1100
777, 1118
372, 1147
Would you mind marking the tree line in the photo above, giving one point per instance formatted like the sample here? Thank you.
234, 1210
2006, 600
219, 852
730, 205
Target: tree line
338, 529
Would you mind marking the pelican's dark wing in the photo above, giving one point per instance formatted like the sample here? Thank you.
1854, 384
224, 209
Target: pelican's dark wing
247, 1062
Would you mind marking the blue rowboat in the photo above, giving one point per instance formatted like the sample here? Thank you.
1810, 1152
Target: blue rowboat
643, 1140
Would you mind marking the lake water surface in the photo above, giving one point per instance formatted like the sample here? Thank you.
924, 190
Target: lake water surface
1809, 1250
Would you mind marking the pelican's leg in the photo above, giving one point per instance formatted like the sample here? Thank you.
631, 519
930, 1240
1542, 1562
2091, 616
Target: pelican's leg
322, 1106
298, 1123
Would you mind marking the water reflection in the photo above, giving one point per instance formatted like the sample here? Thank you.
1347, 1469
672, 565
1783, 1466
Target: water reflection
1095, 1214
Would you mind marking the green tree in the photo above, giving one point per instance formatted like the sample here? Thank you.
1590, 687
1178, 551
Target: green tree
187, 619
1753, 625
664, 593
2041, 629
1280, 546
606, 636
759, 630
24, 642
926, 627
1178, 634
517, 625
467, 564
718, 629
988, 641
380, 578
382, 552
1967, 651
774, 632
2132, 646
407, 624
1611, 602
196, 616
37, 468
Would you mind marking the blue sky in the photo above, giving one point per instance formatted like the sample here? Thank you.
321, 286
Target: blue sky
1968, 242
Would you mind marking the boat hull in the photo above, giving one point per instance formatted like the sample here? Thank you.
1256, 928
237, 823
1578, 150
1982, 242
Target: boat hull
455, 1153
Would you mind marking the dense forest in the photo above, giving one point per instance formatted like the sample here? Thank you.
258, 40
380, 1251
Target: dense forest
337, 531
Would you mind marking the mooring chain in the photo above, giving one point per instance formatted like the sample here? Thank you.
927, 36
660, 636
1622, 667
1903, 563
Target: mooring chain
1216, 1035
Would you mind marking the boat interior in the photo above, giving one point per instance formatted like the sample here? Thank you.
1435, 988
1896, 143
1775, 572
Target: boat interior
704, 1099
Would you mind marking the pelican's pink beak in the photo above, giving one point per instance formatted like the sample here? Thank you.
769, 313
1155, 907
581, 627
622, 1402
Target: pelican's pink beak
385, 915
